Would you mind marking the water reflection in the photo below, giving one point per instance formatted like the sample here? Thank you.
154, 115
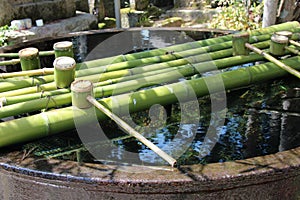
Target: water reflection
90, 47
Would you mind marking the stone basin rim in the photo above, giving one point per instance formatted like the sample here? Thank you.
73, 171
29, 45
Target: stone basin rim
256, 170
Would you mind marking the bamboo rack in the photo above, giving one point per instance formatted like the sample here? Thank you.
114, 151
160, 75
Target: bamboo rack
122, 76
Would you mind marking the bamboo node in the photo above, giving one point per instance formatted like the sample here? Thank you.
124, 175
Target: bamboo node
3, 102
49, 98
124, 58
44, 71
38, 87
255, 39
32, 81
130, 72
250, 74
102, 92
42, 93
44, 116
194, 68
170, 52
159, 58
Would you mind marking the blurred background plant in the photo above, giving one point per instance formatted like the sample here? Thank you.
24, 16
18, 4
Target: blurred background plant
4, 30
238, 15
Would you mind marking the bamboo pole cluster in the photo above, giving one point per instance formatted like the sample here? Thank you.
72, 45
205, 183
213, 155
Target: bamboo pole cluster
160, 67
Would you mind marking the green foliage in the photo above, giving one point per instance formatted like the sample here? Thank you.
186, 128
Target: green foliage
3, 34
237, 17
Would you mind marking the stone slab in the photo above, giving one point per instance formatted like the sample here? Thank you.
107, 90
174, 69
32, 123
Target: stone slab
192, 14
82, 21
36, 9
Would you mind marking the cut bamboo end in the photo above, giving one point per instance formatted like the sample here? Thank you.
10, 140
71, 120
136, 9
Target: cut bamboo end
238, 44
278, 44
81, 89
29, 59
28, 53
64, 48
64, 71
287, 34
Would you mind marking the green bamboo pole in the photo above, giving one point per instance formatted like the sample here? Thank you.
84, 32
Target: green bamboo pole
80, 89
115, 70
238, 44
88, 69
113, 67
10, 62
64, 71
36, 72
64, 48
297, 44
27, 97
275, 28
152, 77
8, 86
16, 55
60, 120
29, 90
274, 60
293, 50
29, 59
278, 44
